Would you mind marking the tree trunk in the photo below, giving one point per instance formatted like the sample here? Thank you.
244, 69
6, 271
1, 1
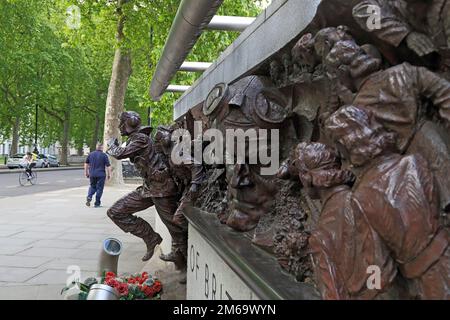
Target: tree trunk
95, 139
15, 137
65, 139
121, 72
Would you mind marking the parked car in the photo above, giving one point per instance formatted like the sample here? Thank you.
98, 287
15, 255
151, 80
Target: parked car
16, 160
52, 161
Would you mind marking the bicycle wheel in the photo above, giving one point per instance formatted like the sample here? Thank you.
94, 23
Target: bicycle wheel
33, 179
23, 178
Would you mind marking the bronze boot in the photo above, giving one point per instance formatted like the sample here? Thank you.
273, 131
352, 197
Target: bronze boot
170, 257
151, 242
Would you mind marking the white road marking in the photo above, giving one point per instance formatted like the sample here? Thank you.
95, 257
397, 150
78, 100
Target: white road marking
61, 181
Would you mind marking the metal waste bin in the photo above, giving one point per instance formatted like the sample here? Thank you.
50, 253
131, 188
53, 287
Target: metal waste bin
109, 256
102, 292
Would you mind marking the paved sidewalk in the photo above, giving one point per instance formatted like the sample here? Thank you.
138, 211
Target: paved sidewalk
44, 233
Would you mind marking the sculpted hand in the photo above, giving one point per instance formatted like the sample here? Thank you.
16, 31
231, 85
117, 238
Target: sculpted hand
112, 142
420, 43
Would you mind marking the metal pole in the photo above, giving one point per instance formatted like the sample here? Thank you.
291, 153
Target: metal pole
230, 23
177, 88
192, 17
189, 66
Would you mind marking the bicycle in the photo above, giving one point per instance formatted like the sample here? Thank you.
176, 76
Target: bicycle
25, 177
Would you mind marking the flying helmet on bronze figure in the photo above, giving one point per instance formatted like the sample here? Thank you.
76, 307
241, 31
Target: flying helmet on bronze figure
249, 102
130, 122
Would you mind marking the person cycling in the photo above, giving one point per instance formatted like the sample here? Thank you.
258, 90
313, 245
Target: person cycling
29, 163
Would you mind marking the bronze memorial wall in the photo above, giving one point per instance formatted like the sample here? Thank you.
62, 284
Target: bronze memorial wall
361, 100
356, 112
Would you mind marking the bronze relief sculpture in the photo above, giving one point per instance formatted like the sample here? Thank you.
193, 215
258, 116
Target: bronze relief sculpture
423, 26
251, 103
399, 200
364, 116
404, 98
376, 175
343, 244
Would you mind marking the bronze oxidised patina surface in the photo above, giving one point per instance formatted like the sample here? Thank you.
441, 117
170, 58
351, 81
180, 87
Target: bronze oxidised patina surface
363, 113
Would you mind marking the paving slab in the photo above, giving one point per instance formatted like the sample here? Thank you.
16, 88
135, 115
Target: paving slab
46, 228
15, 274
36, 235
12, 250
48, 252
20, 222
4, 226
82, 236
58, 243
56, 276
5, 242
22, 262
8, 233
64, 263
93, 230
39, 292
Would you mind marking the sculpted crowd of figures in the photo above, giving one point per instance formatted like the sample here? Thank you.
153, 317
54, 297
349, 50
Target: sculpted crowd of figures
364, 122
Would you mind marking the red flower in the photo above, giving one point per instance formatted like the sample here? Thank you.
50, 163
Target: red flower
132, 281
149, 292
112, 282
157, 286
144, 274
123, 289
110, 274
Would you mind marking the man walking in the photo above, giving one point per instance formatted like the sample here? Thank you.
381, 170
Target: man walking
94, 169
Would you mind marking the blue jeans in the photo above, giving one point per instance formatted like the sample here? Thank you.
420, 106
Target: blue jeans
96, 187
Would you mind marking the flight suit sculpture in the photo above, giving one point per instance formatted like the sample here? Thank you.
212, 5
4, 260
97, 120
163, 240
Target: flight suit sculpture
188, 177
158, 188
398, 197
401, 99
343, 244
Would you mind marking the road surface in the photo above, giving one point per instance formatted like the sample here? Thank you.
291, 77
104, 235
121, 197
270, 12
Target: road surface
47, 181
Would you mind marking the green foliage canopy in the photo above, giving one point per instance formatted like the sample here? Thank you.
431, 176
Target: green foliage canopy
64, 68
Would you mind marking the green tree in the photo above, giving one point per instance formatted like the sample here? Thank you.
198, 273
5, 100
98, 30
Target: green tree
65, 70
